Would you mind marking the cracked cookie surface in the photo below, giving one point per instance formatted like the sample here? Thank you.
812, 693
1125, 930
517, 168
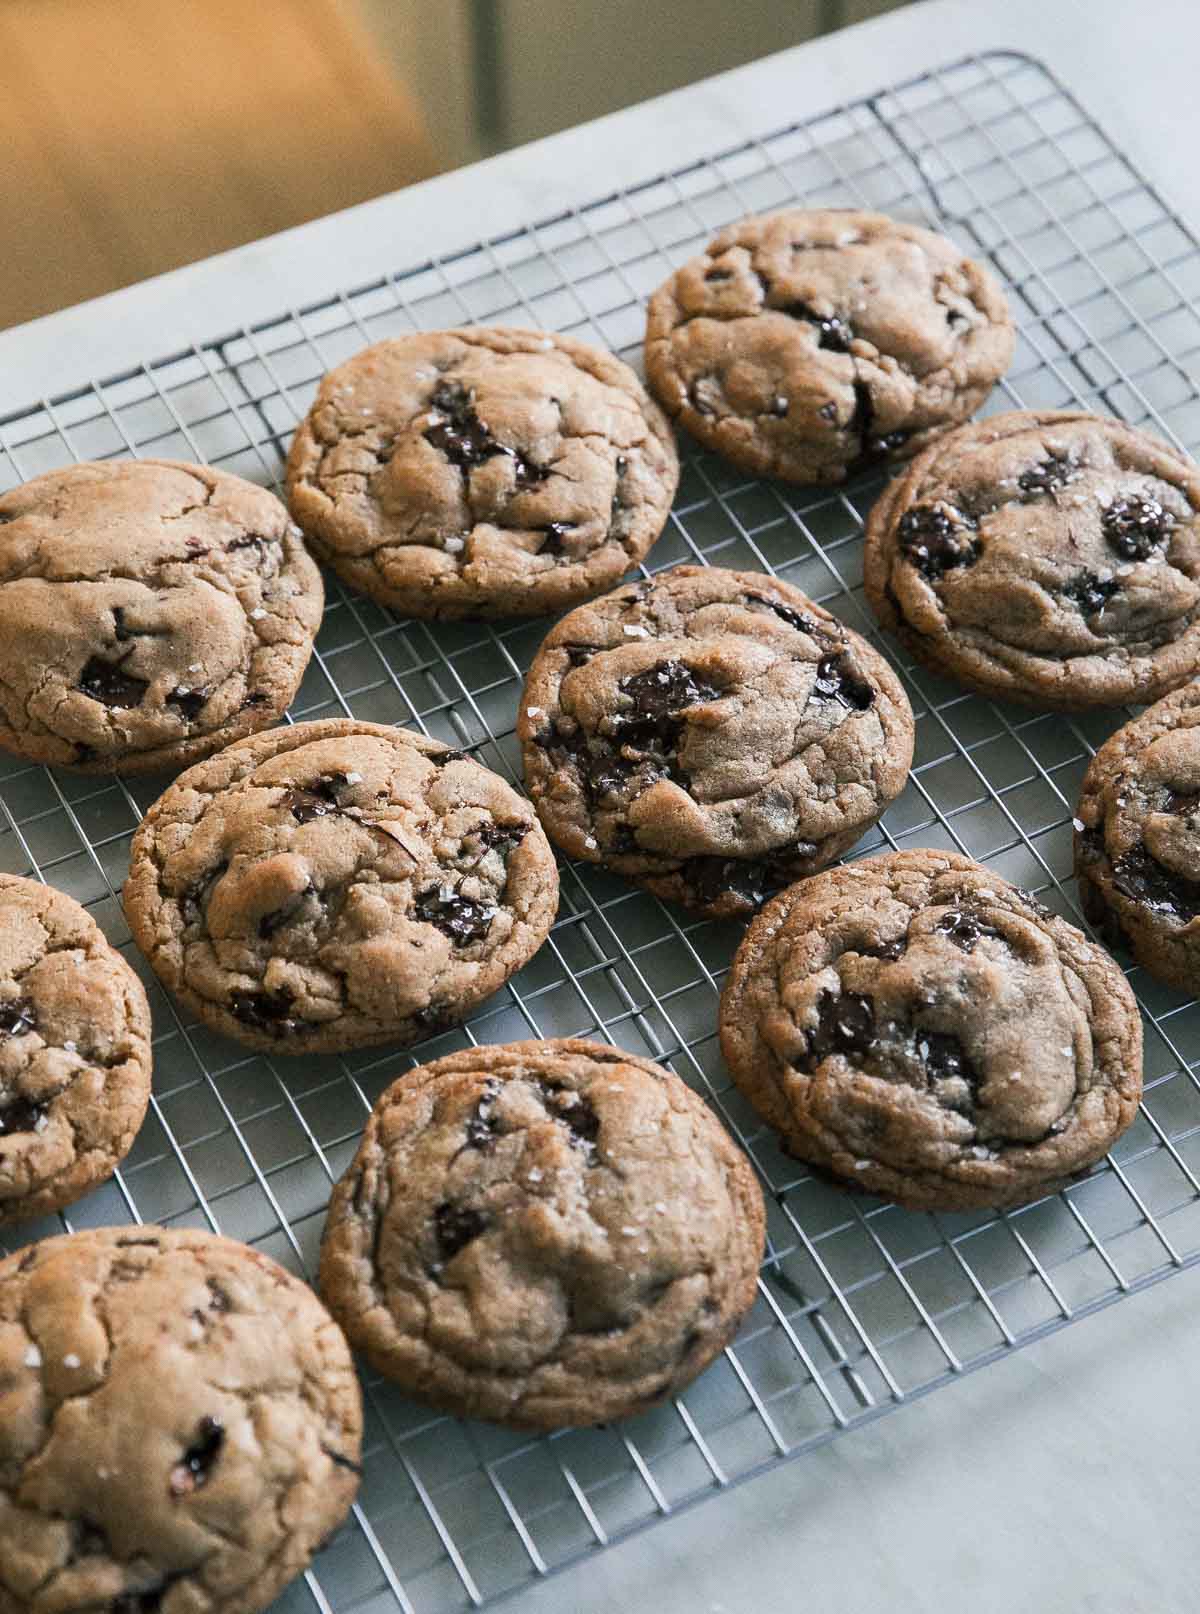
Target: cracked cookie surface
802, 343
74, 1051
711, 735
337, 884
1047, 558
543, 1234
482, 472
923, 1030
1137, 839
181, 1426
150, 613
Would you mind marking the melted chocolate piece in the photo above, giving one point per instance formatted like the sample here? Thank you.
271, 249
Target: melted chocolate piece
718, 274
657, 694
462, 437
1137, 527
255, 698
833, 333
1050, 475
888, 951
828, 411
779, 406
578, 654
889, 442
575, 1113
144, 1602
194, 901
271, 922
711, 878
794, 619
456, 1226
964, 928
1089, 593
1139, 876
16, 1019
482, 1130
945, 1058
317, 800
837, 680
501, 837
22, 1115
105, 682
189, 703
441, 758
845, 1025
463, 919
120, 632
1183, 806
199, 1459
555, 532
265, 1011
935, 542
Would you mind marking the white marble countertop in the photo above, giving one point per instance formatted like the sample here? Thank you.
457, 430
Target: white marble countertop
1061, 1478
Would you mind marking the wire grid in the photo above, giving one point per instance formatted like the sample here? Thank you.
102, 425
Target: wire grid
861, 1305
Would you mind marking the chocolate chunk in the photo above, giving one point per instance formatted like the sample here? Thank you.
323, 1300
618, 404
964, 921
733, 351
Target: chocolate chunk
945, 1058
837, 680
1089, 593
463, 919
199, 1459
316, 800
575, 1113
105, 682
578, 654
1048, 476
456, 1226
22, 1115
501, 837
936, 540
833, 333
718, 274
794, 619
888, 442
16, 1019
278, 917
964, 928
1139, 876
189, 703
779, 406
845, 1025
120, 632
657, 694
555, 532
1137, 527
265, 1011
482, 1129
889, 951
1183, 806
462, 437
711, 878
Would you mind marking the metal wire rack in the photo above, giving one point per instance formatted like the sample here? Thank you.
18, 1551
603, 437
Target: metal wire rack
862, 1305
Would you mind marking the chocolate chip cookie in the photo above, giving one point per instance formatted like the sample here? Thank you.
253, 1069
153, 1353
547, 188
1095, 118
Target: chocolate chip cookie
181, 1425
74, 1052
482, 472
1047, 558
543, 1234
804, 343
711, 735
1137, 839
338, 884
150, 613
919, 1028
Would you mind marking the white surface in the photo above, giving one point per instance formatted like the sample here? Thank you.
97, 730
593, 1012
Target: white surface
1062, 1478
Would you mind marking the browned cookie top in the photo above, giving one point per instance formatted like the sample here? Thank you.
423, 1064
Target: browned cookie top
150, 612
711, 734
546, 1233
482, 472
924, 1030
1050, 558
181, 1425
337, 884
801, 342
74, 1051
1137, 838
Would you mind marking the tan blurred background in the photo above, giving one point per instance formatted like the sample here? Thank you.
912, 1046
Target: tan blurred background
137, 135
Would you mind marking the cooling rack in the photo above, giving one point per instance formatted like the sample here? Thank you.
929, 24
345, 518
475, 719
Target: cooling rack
862, 1306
